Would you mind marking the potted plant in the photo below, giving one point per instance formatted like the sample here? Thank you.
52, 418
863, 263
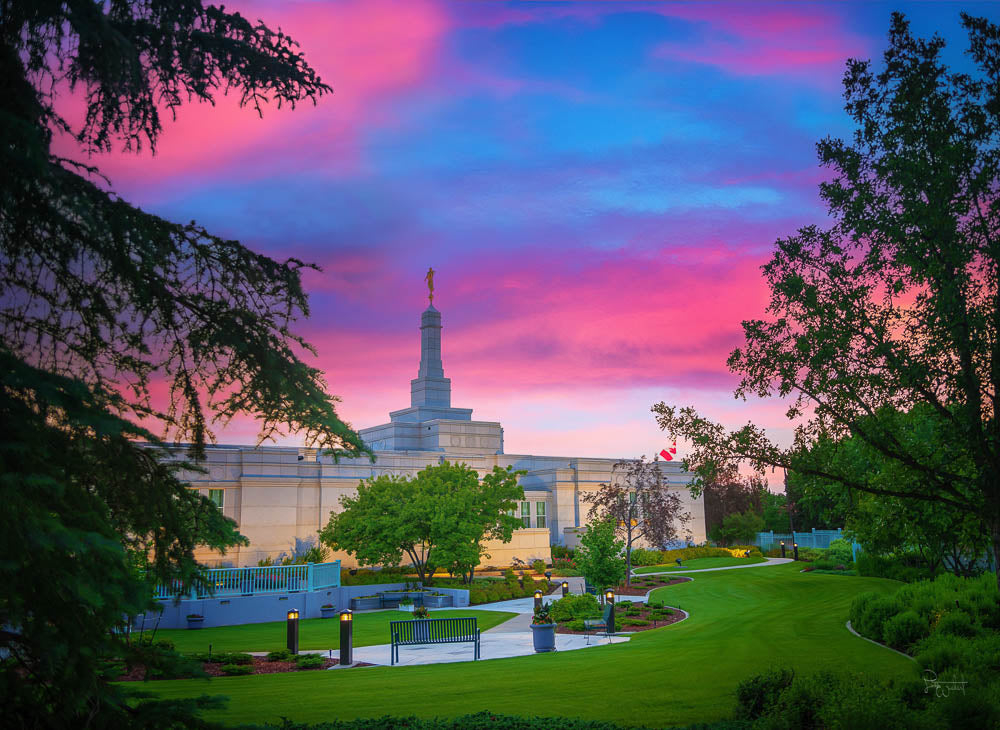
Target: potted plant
421, 632
195, 620
328, 610
543, 629
406, 604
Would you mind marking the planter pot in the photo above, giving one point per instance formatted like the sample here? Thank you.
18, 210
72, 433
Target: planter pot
195, 623
408, 607
437, 601
329, 612
544, 637
392, 598
365, 604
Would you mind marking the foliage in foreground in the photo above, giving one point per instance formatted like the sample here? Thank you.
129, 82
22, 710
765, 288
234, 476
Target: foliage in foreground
780, 699
486, 721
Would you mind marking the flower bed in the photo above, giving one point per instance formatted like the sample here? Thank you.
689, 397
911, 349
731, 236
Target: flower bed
630, 616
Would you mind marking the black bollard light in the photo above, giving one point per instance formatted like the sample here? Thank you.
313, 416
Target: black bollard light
292, 623
548, 575
346, 638
609, 597
795, 548
565, 587
782, 548
538, 600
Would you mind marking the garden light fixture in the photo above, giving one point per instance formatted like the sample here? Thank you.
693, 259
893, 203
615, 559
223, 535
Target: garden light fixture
346, 638
538, 599
565, 587
292, 624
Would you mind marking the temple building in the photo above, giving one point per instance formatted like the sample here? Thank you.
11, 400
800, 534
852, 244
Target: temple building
280, 496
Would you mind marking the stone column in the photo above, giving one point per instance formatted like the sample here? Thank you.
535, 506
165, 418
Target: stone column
430, 388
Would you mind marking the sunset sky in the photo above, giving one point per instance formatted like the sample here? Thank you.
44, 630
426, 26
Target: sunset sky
596, 184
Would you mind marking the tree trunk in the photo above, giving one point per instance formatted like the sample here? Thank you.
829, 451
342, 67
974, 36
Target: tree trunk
995, 534
628, 566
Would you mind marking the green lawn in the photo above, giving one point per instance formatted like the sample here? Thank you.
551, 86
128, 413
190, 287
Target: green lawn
314, 633
742, 622
699, 564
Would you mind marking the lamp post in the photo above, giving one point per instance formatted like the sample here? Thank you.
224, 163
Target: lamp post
292, 625
795, 548
346, 638
609, 597
565, 587
538, 600
782, 548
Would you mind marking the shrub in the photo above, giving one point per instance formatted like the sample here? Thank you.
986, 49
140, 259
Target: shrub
561, 551
635, 622
654, 604
754, 696
576, 625
575, 607
871, 622
661, 614
904, 629
282, 655
237, 670
308, 661
538, 566
738, 551
956, 623
840, 551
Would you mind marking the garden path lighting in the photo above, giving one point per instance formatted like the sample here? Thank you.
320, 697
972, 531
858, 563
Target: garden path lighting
795, 548
538, 599
609, 596
565, 587
782, 548
346, 638
292, 624
548, 575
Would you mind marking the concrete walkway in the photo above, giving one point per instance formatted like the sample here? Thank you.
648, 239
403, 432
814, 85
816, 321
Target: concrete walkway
682, 571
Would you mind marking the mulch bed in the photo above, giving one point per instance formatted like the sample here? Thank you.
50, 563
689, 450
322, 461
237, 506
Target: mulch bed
620, 617
641, 589
260, 666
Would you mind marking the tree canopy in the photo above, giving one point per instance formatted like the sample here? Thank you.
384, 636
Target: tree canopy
600, 556
439, 518
894, 306
101, 305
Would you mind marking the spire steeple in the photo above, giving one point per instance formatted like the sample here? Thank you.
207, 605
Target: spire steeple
430, 387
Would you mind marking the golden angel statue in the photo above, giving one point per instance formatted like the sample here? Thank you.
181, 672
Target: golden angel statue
430, 284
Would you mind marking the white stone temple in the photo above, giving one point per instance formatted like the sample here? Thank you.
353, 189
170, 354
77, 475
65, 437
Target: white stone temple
280, 497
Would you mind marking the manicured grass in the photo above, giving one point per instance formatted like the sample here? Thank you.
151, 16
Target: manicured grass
314, 633
742, 622
700, 564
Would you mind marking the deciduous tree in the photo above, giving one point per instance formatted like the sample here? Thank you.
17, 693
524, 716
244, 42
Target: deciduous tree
640, 504
600, 556
440, 517
895, 305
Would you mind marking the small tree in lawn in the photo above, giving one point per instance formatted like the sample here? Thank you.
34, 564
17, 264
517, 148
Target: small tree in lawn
599, 556
439, 517
640, 506
476, 514
738, 529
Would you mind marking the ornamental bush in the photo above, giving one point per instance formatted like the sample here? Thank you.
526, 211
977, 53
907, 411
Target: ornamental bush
575, 607
905, 629
308, 661
282, 655
956, 623
237, 670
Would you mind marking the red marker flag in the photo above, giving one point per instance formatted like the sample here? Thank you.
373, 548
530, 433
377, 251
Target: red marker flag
673, 449
666, 455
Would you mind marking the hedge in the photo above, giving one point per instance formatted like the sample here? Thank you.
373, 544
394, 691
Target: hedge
487, 721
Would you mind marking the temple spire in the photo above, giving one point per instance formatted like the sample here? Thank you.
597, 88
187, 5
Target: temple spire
431, 387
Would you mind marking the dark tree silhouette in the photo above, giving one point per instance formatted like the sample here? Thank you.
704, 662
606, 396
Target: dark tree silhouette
102, 301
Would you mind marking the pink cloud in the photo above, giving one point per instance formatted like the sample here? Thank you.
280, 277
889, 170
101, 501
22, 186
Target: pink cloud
366, 50
758, 40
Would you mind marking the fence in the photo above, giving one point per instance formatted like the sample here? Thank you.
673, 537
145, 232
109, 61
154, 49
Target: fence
260, 581
812, 539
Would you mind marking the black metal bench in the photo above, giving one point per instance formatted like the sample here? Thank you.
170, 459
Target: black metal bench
432, 631
595, 624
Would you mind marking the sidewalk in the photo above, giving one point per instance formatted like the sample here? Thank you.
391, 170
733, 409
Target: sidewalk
682, 571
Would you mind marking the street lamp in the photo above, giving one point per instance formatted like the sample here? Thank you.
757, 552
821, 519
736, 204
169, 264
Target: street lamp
292, 624
346, 638
609, 597
565, 587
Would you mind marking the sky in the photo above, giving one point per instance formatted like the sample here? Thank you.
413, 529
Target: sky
596, 185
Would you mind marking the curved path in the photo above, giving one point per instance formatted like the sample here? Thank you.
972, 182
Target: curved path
681, 571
